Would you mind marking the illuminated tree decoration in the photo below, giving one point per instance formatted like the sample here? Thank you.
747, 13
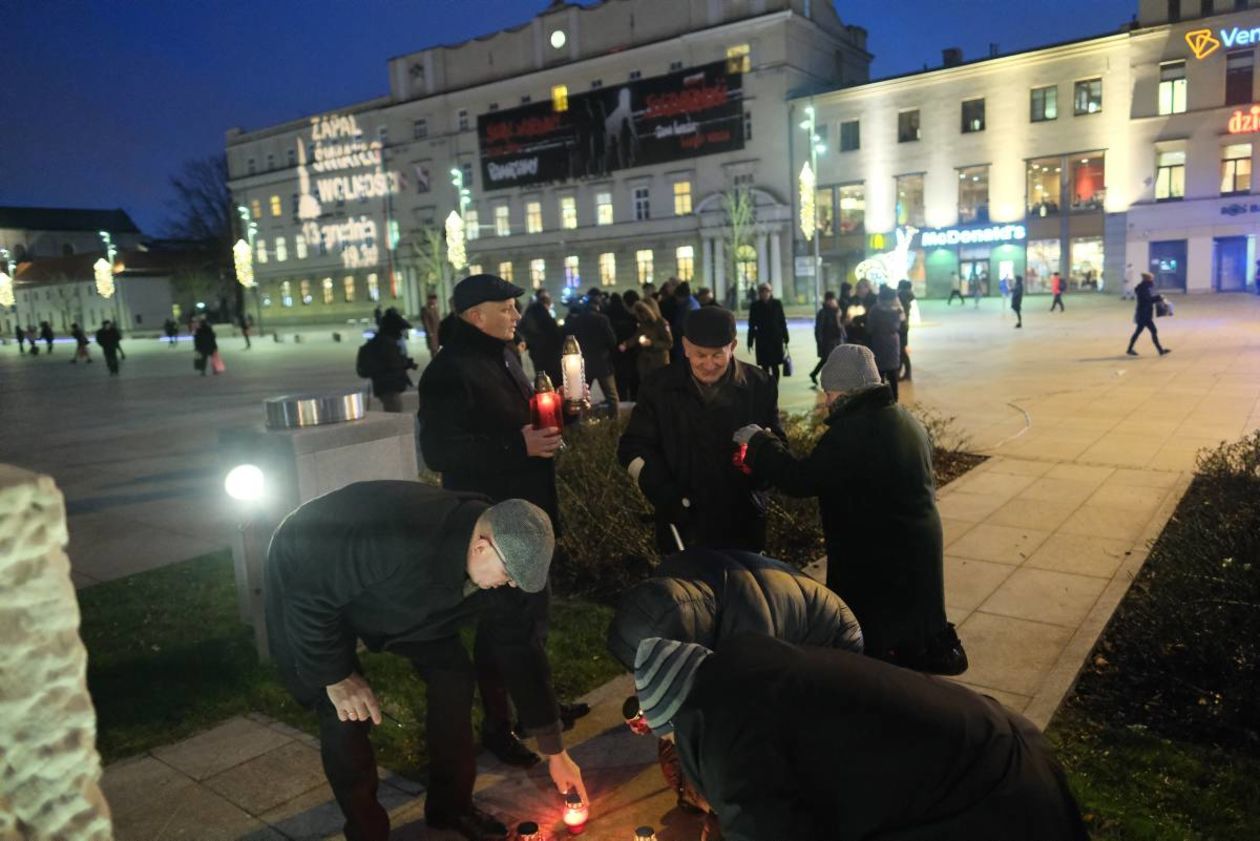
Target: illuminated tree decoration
104, 272
455, 252
809, 210
6, 290
243, 258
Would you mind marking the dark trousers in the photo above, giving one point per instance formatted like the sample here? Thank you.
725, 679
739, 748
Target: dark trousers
1019, 316
1145, 325
248, 344
495, 671
955, 293
904, 334
111, 361
350, 763
772, 370
1057, 302
890, 377
608, 385
391, 402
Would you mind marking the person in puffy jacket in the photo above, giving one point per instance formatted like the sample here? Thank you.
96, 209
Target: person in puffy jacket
883, 324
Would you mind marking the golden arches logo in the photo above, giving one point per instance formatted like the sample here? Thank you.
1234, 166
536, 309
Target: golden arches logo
1202, 42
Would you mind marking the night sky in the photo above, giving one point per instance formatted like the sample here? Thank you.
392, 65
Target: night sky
101, 100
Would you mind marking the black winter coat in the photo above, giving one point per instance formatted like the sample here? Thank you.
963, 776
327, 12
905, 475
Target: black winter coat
109, 339
883, 325
828, 332
708, 596
1144, 312
767, 331
474, 399
204, 341
789, 742
388, 365
594, 333
544, 339
686, 447
872, 473
1017, 296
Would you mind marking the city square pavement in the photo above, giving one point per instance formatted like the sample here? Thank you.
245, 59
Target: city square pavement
1090, 451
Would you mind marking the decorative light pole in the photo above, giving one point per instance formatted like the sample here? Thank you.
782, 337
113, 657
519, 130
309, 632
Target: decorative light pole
816, 148
456, 254
6, 290
243, 258
8, 282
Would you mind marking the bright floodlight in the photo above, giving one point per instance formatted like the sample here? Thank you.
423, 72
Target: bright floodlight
557, 39
244, 482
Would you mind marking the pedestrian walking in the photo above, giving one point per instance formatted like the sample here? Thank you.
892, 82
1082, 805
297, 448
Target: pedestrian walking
110, 341
800, 742
543, 337
653, 338
247, 326
955, 290
1017, 301
171, 329
206, 346
81, 344
1144, 313
884, 325
905, 297
1057, 287
767, 331
31, 338
872, 474
431, 321
828, 332
21, 338
977, 290
382, 360
46, 333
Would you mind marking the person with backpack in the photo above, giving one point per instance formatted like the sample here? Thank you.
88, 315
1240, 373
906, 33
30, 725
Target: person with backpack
382, 360
1057, 287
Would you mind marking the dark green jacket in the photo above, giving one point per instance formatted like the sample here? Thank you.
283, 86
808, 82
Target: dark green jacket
872, 474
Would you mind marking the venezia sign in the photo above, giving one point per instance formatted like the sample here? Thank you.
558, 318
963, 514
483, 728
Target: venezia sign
969, 236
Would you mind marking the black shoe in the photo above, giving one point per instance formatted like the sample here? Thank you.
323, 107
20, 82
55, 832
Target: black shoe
570, 713
474, 824
1131, 352
813, 378
508, 749
945, 654
1164, 350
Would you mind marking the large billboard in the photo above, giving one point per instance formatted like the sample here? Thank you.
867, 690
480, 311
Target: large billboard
649, 121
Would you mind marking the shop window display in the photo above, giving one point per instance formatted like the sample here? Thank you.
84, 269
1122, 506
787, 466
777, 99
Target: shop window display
1088, 182
1043, 258
1045, 179
1087, 264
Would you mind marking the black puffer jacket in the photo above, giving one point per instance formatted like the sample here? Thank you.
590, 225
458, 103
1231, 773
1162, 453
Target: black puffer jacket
707, 596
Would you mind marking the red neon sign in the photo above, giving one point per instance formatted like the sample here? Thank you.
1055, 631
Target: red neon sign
1241, 122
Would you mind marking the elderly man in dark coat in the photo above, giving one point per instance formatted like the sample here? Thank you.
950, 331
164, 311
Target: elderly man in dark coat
767, 331
400, 566
475, 430
677, 445
872, 472
788, 742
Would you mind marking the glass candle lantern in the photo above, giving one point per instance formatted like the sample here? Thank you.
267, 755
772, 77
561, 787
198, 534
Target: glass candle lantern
528, 831
634, 717
739, 458
544, 406
576, 812
644, 833
574, 370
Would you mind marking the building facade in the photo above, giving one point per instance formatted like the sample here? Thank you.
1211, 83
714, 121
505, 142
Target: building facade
63, 291
604, 145
29, 233
1097, 159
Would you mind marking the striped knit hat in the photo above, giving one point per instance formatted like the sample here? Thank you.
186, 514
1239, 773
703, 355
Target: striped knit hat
664, 671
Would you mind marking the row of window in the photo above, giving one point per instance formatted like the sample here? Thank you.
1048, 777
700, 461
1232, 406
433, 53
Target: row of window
644, 263
641, 210
1206, 7
328, 291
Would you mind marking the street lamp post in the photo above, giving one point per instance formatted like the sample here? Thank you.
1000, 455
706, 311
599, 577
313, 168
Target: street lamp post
816, 148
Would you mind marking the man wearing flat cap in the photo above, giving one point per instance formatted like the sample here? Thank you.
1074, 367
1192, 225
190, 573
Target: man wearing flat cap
678, 448
475, 430
400, 566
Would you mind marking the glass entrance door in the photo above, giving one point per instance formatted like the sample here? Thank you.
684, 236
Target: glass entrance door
1168, 264
1229, 263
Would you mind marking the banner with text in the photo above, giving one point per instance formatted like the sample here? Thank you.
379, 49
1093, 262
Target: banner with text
649, 121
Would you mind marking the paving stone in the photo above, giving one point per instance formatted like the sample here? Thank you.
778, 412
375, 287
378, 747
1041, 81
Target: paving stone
1128, 497
959, 505
1080, 554
1164, 479
1064, 491
1010, 700
953, 529
1018, 466
999, 544
996, 484
1045, 596
266, 781
1080, 473
1010, 654
1032, 513
314, 816
235, 741
1100, 521
969, 582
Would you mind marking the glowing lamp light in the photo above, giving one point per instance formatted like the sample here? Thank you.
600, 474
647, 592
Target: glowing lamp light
455, 252
544, 406
573, 367
809, 211
576, 813
104, 272
243, 259
244, 483
558, 39
6, 290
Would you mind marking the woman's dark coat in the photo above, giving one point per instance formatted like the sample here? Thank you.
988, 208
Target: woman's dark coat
388, 364
767, 331
1144, 311
828, 332
655, 354
707, 596
883, 325
204, 341
872, 474
789, 742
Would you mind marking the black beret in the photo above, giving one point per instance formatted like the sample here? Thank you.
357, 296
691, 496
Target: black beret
710, 327
479, 288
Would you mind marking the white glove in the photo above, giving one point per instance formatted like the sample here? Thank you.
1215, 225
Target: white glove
745, 433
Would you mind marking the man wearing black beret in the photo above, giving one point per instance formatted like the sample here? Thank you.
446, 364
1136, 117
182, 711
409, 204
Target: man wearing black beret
475, 430
678, 447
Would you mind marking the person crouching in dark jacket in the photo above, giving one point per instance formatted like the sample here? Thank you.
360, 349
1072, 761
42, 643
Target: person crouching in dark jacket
383, 361
788, 742
872, 472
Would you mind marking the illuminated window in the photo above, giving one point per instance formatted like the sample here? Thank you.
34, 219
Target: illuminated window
1044, 104
286, 294
502, 221
260, 251
825, 211
746, 265
1087, 98
1172, 87
682, 198
533, 217
537, 273
282, 250
1239, 77
420, 129
559, 97
608, 269
466, 169
603, 209
850, 136
973, 194
642, 204
299, 246
374, 287
505, 271
572, 275
685, 262
1045, 183
1236, 169
1170, 175
738, 59
304, 289
327, 290
643, 265
910, 200
276, 208
347, 285
472, 228
972, 116
255, 208
852, 209
908, 126
568, 212
1089, 177
474, 268
462, 119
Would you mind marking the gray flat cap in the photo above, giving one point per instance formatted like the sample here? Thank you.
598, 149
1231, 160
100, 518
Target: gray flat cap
523, 533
